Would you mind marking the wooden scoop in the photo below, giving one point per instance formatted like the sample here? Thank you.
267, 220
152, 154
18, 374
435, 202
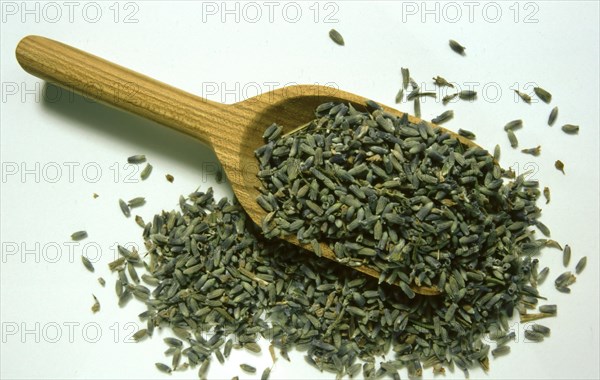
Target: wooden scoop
233, 131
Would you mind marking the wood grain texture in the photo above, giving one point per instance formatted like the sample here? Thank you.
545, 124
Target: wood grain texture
233, 131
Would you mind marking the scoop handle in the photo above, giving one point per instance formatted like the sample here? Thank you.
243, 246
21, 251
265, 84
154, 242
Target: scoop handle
117, 86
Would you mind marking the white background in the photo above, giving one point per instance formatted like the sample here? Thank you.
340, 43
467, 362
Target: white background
229, 57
